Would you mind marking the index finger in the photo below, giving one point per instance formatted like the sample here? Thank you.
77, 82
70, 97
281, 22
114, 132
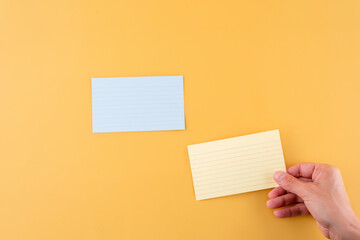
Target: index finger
302, 170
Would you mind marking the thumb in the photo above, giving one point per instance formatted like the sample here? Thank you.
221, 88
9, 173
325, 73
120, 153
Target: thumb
290, 183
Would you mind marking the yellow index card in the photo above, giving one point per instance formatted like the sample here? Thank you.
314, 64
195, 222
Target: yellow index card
236, 165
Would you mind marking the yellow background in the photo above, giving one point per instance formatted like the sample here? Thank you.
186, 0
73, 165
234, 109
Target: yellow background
248, 66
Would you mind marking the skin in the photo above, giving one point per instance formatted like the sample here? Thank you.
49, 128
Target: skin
316, 189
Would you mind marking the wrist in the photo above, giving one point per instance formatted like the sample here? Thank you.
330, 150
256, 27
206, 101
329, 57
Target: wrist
348, 229
353, 230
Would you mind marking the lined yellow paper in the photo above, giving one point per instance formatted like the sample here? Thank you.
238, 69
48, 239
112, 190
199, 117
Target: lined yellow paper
236, 165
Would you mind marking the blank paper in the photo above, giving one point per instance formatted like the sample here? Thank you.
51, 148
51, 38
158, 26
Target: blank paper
126, 104
236, 165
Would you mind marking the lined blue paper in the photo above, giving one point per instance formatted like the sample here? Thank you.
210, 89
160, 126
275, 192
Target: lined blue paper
127, 104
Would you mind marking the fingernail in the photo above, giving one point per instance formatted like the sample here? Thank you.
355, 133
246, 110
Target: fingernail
279, 176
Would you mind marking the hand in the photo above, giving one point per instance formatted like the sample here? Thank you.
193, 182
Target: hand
316, 189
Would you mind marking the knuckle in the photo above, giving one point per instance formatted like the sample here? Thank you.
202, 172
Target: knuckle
329, 169
334, 170
323, 166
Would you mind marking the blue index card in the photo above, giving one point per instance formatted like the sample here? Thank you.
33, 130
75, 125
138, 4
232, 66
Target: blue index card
127, 104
